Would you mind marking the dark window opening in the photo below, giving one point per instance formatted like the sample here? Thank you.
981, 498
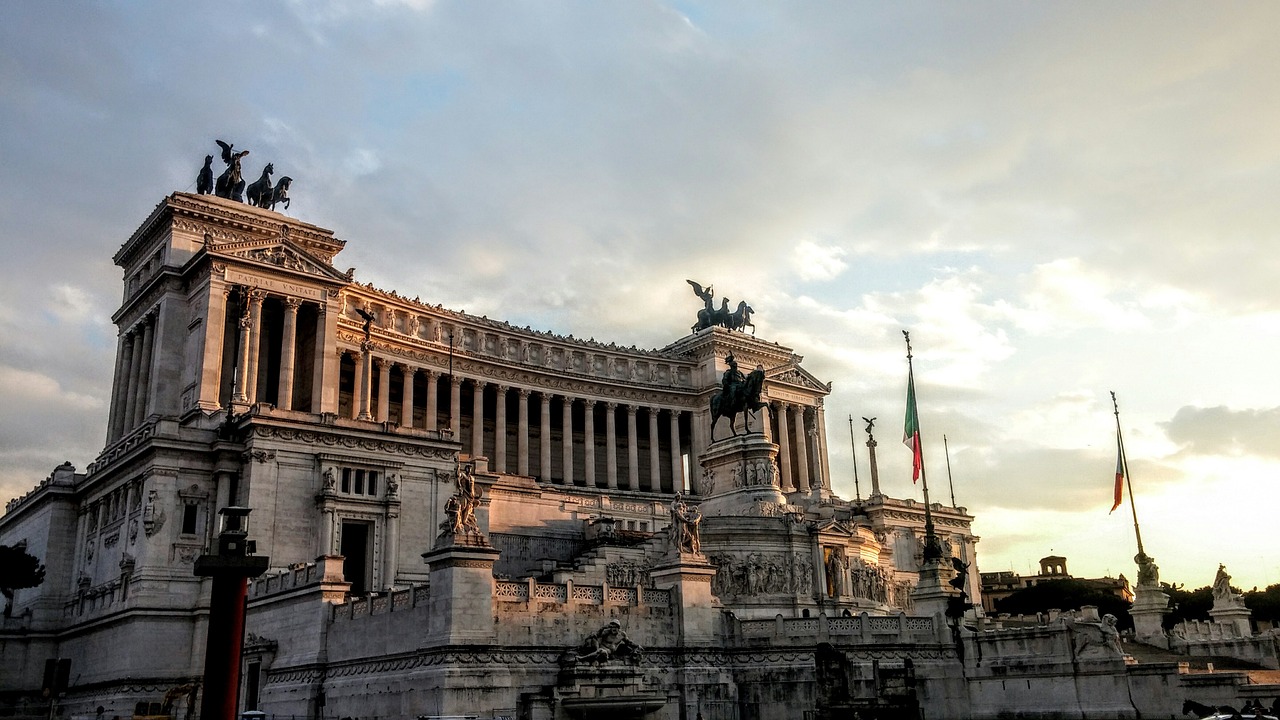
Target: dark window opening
189, 516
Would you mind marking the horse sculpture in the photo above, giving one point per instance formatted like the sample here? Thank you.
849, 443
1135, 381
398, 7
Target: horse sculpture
259, 192
280, 194
742, 398
740, 319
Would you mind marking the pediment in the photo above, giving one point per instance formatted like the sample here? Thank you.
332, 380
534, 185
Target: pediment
279, 254
793, 374
834, 527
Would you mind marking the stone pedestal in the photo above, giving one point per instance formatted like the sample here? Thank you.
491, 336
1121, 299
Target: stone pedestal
688, 577
1235, 615
461, 590
1150, 604
933, 593
741, 478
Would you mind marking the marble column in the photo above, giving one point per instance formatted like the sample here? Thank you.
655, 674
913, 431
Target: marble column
611, 444
802, 452
566, 437
406, 394
655, 463
500, 429
326, 529
391, 545
455, 406
144, 371
822, 477
677, 459
241, 395
209, 396
366, 381
357, 389
328, 365
522, 432
477, 418
633, 450
255, 345
433, 398
119, 393
544, 438
784, 443
589, 441
384, 389
289, 337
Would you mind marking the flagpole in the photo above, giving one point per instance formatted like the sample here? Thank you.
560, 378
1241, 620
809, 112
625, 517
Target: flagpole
1124, 463
932, 548
950, 484
853, 449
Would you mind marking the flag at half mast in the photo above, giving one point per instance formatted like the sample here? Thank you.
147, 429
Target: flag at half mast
911, 429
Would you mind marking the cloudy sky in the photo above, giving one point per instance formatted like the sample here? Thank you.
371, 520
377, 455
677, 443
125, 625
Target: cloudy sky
1057, 199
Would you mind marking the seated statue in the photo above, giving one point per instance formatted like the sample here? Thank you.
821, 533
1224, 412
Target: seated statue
608, 643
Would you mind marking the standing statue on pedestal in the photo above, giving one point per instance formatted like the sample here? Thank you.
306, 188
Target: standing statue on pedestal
460, 510
1223, 596
738, 394
231, 183
685, 522
1148, 571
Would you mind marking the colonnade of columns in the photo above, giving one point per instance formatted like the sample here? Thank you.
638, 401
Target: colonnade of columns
131, 389
575, 451
802, 446
250, 374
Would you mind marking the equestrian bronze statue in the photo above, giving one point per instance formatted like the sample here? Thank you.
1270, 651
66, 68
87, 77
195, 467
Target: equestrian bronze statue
738, 395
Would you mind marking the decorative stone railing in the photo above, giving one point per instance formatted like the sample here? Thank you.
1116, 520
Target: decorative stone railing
571, 594
1194, 630
91, 602
381, 603
134, 438
325, 570
879, 628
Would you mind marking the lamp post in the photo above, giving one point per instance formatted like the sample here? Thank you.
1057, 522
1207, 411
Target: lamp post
230, 568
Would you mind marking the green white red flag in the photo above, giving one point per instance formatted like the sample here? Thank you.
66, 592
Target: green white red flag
1119, 490
911, 430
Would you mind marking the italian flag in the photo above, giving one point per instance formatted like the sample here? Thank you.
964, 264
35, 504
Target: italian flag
1119, 491
911, 430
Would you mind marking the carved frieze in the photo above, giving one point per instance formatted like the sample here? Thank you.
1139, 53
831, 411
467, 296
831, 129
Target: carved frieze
311, 437
753, 574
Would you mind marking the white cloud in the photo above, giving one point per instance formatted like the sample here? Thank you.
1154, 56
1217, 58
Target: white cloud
817, 262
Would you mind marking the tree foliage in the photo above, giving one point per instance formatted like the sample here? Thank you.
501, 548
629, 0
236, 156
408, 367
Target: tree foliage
1187, 604
18, 569
1265, 604
1067, 594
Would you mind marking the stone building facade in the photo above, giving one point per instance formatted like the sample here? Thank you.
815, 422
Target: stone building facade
251, 372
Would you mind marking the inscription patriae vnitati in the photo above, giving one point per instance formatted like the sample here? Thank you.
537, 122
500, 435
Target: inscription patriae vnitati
264, 283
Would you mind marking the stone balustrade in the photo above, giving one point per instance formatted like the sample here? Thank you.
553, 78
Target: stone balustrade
92, 602
382, 603
863, 627
1193, 630
570, 594
326, 570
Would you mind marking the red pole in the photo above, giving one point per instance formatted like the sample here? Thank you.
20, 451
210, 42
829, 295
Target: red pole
223, 647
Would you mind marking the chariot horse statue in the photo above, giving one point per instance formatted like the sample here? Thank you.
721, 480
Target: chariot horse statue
230, 183
259, 191
737, 397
